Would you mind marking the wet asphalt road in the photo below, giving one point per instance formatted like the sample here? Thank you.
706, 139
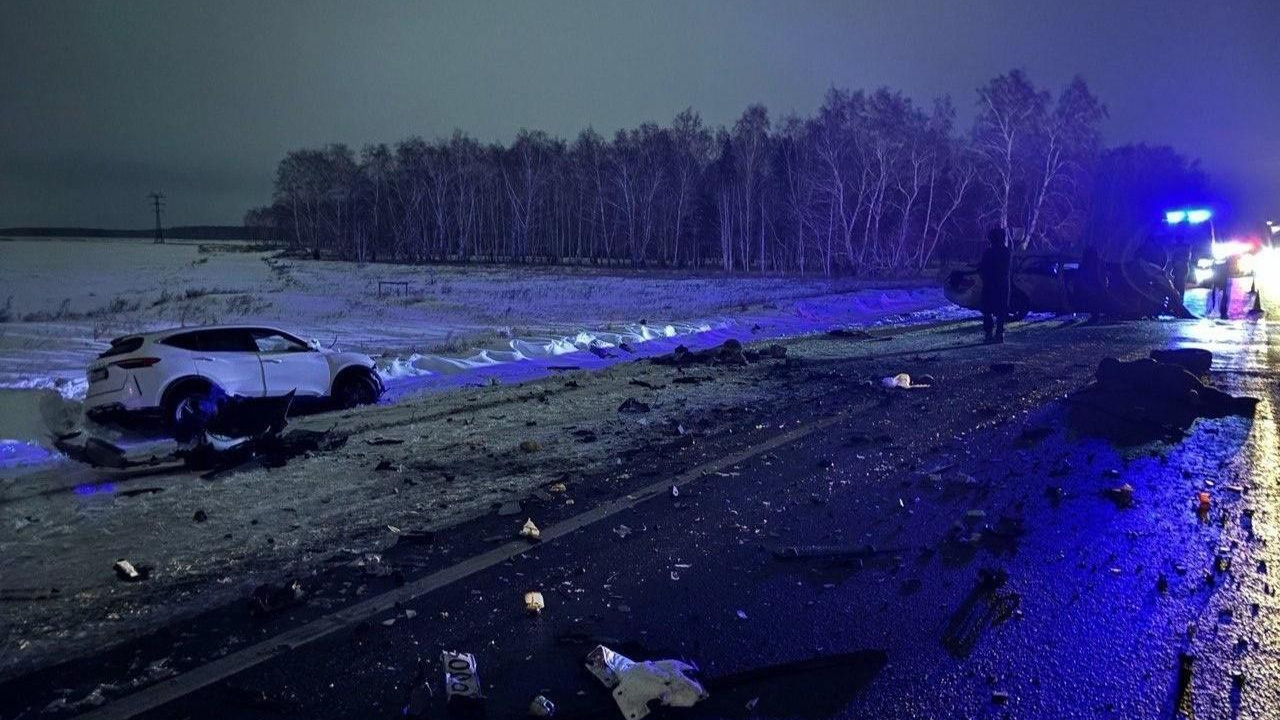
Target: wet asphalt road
1096, 607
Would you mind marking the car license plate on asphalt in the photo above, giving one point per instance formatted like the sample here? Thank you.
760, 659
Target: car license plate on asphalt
461, 682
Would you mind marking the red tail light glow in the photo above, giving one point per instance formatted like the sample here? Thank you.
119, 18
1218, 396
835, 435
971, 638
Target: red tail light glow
134, 363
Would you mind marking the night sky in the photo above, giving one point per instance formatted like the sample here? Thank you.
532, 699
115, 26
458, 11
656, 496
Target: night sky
101, 102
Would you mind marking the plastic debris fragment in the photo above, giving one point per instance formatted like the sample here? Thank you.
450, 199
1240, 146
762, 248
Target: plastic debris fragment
530, 531
901, 380
128, 573
636, 684
461, 682
542, 707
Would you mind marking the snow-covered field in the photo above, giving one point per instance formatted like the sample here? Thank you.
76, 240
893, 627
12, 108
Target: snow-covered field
62, 300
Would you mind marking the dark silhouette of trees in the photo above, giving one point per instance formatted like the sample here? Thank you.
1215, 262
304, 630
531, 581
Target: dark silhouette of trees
1133, 183
871, 183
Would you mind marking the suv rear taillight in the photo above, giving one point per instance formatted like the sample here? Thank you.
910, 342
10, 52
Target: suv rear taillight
135, 363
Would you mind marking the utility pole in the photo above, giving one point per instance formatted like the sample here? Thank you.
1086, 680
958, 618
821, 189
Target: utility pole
157, 202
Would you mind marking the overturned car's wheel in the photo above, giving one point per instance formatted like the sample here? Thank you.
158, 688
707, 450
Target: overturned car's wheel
356, 387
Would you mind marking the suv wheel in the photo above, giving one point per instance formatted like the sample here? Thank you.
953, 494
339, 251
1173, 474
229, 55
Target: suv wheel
356, 388
182, 409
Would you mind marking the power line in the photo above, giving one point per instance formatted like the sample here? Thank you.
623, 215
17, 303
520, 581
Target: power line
157, 202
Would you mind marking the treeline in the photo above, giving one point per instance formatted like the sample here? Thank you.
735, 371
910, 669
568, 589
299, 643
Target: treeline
872, 183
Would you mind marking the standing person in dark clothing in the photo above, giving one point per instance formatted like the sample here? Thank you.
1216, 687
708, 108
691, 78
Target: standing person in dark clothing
993, 268
1181, 268
1227, 269
1220, 292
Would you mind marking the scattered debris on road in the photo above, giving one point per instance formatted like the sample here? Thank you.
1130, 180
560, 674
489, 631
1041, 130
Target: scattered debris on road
529, 531
372, 565
1203, 503
983, 608
461, 683
1144, 400
1121, 495
636, 684
800, 552
542, 707
730, 352
901, 380
268, 599
127, 572
534, 604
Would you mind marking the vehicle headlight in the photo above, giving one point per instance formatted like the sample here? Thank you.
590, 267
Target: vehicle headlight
1205, 262
1204, 274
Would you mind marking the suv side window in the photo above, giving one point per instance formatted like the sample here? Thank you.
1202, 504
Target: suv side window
235, 340
185, 341
272, 341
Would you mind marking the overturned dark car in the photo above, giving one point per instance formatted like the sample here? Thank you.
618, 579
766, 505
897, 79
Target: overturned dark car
1060, 284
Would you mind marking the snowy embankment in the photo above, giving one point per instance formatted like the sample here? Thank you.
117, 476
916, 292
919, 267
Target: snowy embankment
446, 327
518, 359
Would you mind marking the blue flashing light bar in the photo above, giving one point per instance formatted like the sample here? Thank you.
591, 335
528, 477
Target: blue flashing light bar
1191, 216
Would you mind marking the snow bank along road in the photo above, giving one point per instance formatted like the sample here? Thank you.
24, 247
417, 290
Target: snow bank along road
444, 327
980, 471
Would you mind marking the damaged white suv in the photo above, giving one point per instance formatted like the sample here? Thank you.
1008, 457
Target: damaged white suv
153, 374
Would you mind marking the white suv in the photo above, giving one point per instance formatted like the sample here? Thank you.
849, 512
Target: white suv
154, 373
